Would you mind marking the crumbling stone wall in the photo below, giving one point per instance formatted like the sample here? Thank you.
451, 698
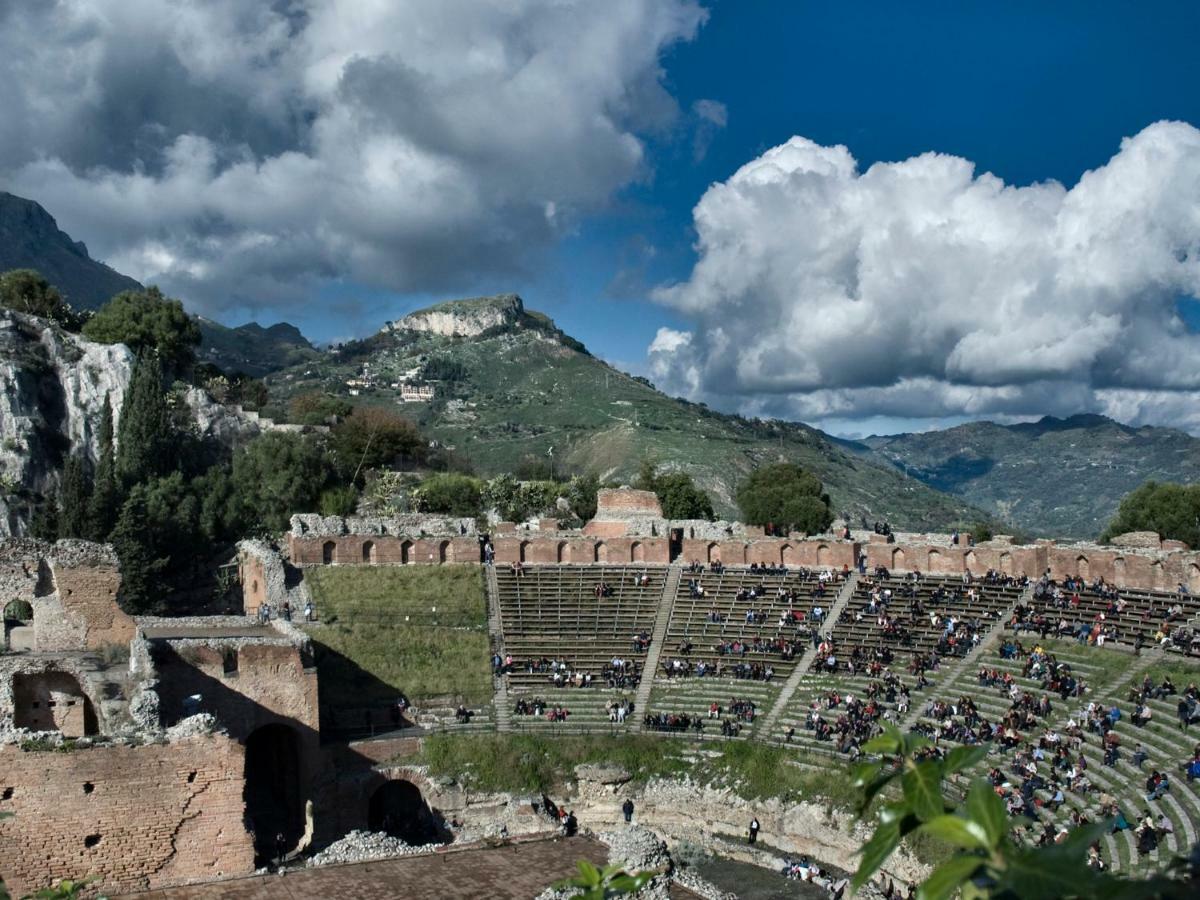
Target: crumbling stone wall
133, 817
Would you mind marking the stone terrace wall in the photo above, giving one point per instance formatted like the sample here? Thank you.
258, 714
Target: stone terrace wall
134, 817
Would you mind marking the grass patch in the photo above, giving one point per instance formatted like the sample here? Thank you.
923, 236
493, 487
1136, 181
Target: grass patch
537, 763
1181, 673
385, 631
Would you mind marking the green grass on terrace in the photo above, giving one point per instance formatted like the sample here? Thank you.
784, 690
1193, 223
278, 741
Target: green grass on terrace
535, 763
388, 630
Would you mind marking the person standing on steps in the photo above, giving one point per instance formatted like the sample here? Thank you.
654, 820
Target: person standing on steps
627, 809
753, 831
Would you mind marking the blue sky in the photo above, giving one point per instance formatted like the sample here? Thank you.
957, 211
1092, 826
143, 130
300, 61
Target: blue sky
337, 166
1029, 91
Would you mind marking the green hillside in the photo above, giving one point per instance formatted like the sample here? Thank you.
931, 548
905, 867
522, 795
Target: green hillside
1059, 477
514, 392
252, 349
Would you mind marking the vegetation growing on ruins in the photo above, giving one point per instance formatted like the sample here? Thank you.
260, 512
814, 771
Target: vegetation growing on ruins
1171, 510
677, 493
391, 631
785, 496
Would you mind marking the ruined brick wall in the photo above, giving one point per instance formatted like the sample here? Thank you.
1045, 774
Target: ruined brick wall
133, 817
87, 598
810, 553
617, 503
373, 549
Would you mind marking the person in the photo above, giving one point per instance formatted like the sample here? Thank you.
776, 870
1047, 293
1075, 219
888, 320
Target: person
280, 848
753, 830
308, 611
627, 809
571, 824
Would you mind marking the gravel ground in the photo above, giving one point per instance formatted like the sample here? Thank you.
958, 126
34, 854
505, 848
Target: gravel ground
364, 846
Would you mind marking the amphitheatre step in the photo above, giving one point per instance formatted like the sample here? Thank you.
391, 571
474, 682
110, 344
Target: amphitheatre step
661, 621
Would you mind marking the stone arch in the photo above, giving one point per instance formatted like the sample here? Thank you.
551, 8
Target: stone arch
443, 552
1156, 574
601, 551
561, 552
397, 808
406, 549
790, 555
329, 553
52, 701
824, 555
934, 563
523, 551
1083, 568
637, 552
714, 552
1119, 571
898, 562
368, 552
1194, 578
18, 625
272, 792
971, 561
1006, 563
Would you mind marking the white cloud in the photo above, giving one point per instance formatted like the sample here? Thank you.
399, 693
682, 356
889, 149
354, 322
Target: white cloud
924, 290
241, 151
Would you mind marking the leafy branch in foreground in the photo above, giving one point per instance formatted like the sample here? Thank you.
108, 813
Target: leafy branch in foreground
599, 884
987, 861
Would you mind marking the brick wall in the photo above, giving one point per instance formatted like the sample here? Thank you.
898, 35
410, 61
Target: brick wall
134, 817
359, 549
623, 502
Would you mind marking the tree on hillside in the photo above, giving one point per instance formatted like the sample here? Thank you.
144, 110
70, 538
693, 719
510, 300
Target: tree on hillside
277, 475
449, 494
786, 497
316, 408
146, 320
73, 499
140, 568
677, 493
105, 501
372, 437
26, 291
144, 439
1171, 510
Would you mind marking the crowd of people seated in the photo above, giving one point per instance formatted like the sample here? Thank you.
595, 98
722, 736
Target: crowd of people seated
680, 667
621, 673
537, 707
618, 710
856, 722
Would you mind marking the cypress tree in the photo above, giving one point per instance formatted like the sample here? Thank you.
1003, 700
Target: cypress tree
73, 497
144, 433
105, 500
139, 567
44, 521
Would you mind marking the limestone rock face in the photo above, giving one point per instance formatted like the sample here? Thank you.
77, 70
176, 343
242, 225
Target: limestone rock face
52, 390
464, 318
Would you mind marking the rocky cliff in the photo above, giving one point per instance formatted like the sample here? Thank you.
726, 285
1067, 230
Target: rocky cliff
465, 318
52, 390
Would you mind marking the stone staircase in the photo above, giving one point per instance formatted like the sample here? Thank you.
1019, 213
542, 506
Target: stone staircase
767, 726
503, 711
657, 639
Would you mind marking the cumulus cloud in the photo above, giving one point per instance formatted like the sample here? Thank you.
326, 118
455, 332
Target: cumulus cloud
241, 151
924, 289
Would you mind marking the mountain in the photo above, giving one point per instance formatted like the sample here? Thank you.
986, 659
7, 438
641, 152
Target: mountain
1061, 477
510, 387
31, 239
252, 349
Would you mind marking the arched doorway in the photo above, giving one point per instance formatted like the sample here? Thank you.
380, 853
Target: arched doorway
897, 560
18, 614
714, 553
601, 552
368, 552
1006, 565
1194, 578
274, 802
523, 551
406, 552
398, 808
329, 553
443, 551
561, 553
789, 555
1119, 571
1082, 568
637, 553
823, 555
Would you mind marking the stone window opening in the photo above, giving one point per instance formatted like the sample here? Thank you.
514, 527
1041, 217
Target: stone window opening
88, 787
92, 840
191, 779
229, 661
7, 795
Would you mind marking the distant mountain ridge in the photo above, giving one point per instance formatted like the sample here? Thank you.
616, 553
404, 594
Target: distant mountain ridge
31, 239
253, 349
1062, 477
511, 387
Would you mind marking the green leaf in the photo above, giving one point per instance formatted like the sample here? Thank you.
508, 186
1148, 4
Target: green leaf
923, 789
963, 758
868, 779
947, 877
912, 742
889, 742
957, 831
985, 809
876, 851
1034, 874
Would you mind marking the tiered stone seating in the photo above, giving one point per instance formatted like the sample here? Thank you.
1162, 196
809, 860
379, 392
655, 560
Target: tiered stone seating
1143, 618
693, 697
736, 639
922, 635
817, 688
553, 613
